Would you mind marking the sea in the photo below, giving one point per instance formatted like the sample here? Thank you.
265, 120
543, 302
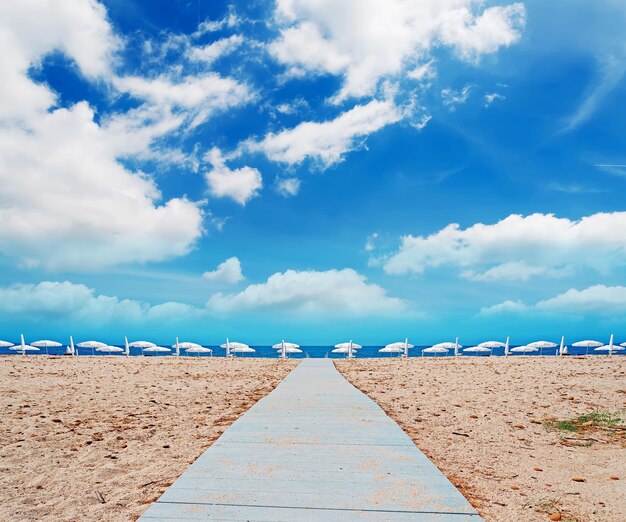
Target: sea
312, 351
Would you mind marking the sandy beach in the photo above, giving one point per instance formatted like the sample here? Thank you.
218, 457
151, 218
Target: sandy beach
101, 438
507, 431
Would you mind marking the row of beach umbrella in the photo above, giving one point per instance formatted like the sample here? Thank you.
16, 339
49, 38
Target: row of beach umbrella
284, 348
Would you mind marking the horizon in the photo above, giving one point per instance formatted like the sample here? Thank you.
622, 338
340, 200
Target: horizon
210, 170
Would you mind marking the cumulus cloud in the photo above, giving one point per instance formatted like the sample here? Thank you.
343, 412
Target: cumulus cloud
33, 28
67, 202
518, 247
52, 301
595, 300
340, 292
327, 142
241, 184
364, 41
228, 272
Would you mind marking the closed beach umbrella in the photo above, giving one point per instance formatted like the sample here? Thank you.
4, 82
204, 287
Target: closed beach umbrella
524, 349
141, 344
562, 348
477, 349
506, 347
46, 343
5, 344
348, 348
71, 349
156, 349
126, 346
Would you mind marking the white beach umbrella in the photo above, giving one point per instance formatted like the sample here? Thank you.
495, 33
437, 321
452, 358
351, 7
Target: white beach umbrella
477, 349
126, 346
141, 344
609, 347
235, 347
542, 344
562, 348
241, 349
506, 347
524, 349
188, 346
587, 344
447, 345
5, 344
156, 349
23, 347
492, 344
109, 349
398, 347
46, 343
623, 345
435, 349
286, 348
91, 344
390, 348
348, 348
197, 349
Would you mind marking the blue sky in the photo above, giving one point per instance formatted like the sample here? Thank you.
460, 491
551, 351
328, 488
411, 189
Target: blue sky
367, 170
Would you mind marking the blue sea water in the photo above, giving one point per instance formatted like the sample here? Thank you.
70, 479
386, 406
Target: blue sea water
312, 351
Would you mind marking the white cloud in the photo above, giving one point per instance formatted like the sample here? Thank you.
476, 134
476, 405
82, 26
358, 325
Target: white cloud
595, 300
365, 41
518, 247
506, 307
327, 141
451, 98
210, 26
241, 184
491, 97
228, 272
67, 203
50, 301
33, 28
200, 96
288, 187
211, 52
423, 72
340, 292
370, 243
600, 299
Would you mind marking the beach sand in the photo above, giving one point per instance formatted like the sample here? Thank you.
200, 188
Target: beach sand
481, 421
100, 438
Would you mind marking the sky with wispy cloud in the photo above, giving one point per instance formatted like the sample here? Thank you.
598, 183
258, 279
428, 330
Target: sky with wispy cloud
313, 170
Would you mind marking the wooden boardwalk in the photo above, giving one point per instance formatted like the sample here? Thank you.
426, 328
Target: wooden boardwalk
315, 449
